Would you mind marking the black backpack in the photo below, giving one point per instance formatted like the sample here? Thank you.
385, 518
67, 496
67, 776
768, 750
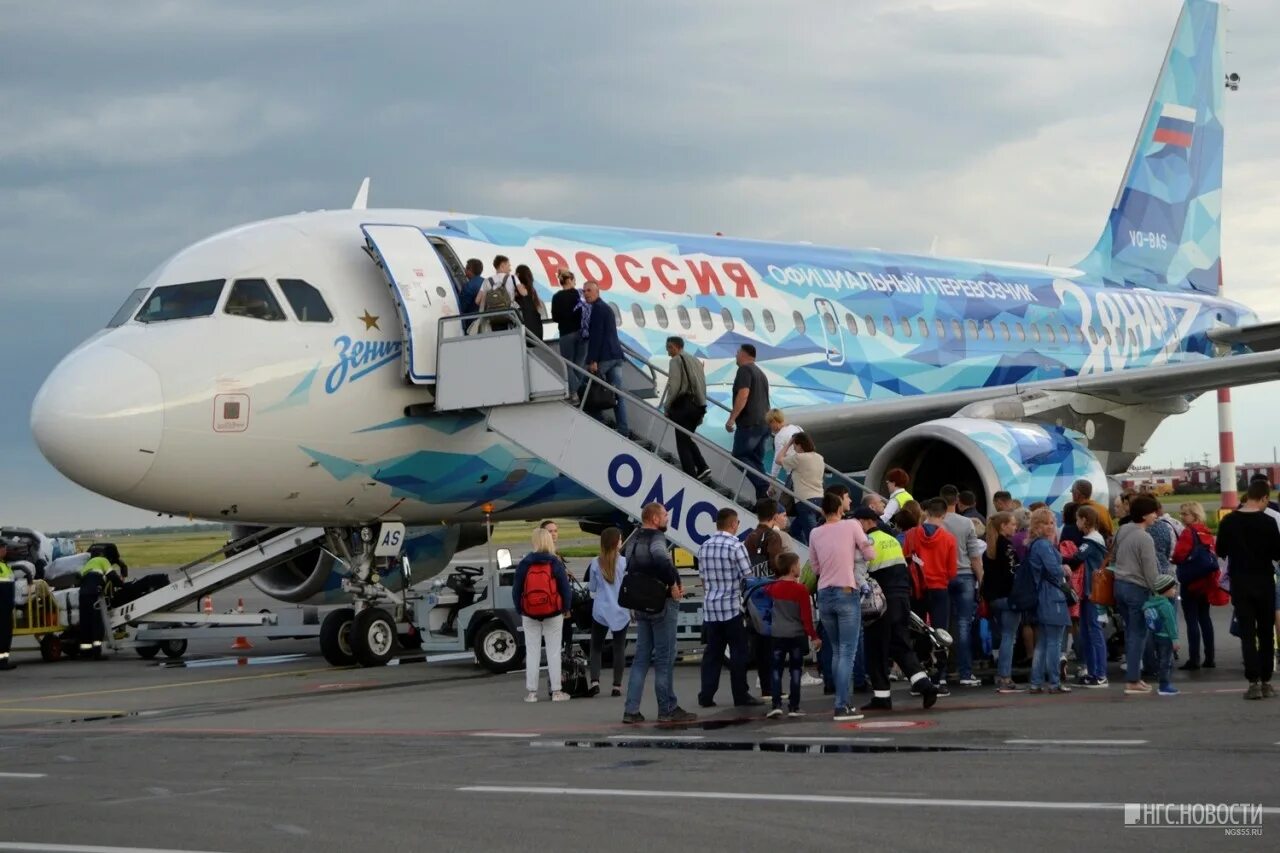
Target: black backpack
575, 675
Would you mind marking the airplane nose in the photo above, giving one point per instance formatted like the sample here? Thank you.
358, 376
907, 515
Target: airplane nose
98, 419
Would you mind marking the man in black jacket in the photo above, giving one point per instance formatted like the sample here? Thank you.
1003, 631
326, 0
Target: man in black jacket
568, 320
648, 553
1250, 541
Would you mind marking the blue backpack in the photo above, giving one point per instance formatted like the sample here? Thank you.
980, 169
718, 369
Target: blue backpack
1024, 596
1200, 563
759, 605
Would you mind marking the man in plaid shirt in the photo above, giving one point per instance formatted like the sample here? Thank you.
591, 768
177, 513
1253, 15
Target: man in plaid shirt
723, 564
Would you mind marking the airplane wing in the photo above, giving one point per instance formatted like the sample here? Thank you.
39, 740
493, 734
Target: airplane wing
874, 422
1262, 337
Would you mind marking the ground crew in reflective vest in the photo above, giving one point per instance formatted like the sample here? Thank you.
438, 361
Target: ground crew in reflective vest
6, 608
890, 635
95, 574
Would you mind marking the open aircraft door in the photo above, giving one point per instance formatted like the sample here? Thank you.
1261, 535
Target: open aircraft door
423, 289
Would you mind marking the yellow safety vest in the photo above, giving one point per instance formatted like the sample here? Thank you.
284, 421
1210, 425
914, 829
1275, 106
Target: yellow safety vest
101, 565
6, 573
903, 496
888, 551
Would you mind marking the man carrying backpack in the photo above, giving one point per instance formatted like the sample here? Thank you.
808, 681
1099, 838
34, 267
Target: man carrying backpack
723, 565
499, 293
542, 596
648, 554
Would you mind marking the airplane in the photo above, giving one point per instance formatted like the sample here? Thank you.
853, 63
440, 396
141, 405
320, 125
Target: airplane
285, 372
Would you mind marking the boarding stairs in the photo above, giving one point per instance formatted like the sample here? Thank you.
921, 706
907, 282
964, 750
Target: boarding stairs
530, 406
236, 561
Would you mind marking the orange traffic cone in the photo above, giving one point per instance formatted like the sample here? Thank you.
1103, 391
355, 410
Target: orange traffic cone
240, 644
207, 605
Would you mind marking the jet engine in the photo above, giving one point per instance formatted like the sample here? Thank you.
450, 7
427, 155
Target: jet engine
315, 577
1034, 462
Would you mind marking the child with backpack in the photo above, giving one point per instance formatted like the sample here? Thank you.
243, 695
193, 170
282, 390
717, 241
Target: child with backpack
542, 597
791, 623
1162, 622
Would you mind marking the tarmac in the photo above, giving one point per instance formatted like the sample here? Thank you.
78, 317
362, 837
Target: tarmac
275, 750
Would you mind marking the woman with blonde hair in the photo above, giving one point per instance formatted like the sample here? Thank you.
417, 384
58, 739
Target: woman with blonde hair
604, 580
1198, 592
542, 596
783, 432
1052, 616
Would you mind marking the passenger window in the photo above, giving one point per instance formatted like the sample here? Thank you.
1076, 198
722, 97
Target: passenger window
1064, 335
957, 331
1048, 331
988, 330
1004, 331
871, 325
748, 320
942, 329
131, 303
798, 319
705, 316
1035, 332
851, 322
887, 325
727, 316
1022, 333
617, 313
769, 325
1133, 339
637, 314
1093, 335
182, 301
1106, 334
682, 314
1079, 335
660, 313
923, 324
829, 323
972, 327
307, 303
906, 327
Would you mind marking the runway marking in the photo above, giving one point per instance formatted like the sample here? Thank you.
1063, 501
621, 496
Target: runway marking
149, 687
84, 848
1067, 742
23, 775
656, 737
71, 711
830, 799
505, 734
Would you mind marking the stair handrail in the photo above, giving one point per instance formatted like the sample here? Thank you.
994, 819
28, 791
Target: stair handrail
536, 342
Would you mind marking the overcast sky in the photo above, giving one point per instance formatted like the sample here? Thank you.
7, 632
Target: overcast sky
1000, 128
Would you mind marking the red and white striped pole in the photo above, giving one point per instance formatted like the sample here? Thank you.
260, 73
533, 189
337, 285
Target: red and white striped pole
1226, 440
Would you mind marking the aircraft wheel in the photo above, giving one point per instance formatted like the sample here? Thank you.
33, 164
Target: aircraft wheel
373, 637
335, 637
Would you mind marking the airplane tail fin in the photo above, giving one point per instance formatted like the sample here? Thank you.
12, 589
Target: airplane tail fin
1164, 228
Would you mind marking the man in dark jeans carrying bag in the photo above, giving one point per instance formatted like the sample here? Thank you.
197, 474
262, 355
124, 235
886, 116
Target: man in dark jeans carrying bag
686, 404
649, 567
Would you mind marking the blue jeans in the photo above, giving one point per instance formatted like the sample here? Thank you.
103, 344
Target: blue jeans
824, 657
939, 603
1007, 620
1129, 601
656, 647
787, 653
842, 618
860, 657
1195, 611
1093, 649
962, 607
572, 348
748, 448
1164, 661
808, 516
1048, 654
611, 372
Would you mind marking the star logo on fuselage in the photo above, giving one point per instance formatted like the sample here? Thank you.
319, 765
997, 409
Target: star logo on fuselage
370, 321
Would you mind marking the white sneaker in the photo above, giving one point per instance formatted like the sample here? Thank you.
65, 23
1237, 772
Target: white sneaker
531, 696
808, 680
559, 696
971, 681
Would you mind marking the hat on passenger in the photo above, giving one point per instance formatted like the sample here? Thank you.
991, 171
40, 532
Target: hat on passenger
1163, 582
865, 513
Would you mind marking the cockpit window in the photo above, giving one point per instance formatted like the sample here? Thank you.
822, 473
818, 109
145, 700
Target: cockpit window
306, 301
130, 305
251, 297
181, 301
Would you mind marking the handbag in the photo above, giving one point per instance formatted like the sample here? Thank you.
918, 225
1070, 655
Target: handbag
643, 593
599, 398
874, 604
1102, 586
1200, 562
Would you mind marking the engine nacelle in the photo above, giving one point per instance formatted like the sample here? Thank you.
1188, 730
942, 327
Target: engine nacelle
1033, 462
316, 578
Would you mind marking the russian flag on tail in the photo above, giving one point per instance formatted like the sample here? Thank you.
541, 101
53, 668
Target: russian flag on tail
1176, 125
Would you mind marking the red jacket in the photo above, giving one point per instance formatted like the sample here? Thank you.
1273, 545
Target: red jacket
1182, 548
931, 548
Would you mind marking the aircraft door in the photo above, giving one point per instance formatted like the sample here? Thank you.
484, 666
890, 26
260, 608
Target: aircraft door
423, 289
833, 340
